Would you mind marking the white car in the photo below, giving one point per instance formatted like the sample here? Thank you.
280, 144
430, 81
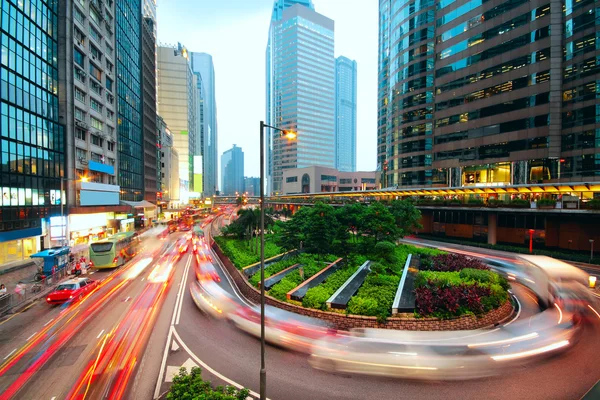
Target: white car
212, 299
282, 328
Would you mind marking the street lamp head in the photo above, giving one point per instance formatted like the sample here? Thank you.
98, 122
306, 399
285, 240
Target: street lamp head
290, 135
84, 179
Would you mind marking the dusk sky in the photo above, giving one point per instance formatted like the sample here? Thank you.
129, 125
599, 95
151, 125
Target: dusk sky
235, 33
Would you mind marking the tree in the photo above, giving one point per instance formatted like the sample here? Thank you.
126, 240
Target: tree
407, 216
293, 230
321, 229
350, 217
378, 223
192, 387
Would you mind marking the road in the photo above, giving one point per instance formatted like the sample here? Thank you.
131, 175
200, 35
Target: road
148, 325
91, 347
233, 357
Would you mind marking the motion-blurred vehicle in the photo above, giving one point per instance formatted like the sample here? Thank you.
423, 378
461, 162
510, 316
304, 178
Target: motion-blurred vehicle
551, 279
282, 328
182, 245
71, 289
213, 299
205, 271
513, 271
383, 357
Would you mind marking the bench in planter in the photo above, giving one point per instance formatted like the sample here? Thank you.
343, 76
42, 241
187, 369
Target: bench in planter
343, 295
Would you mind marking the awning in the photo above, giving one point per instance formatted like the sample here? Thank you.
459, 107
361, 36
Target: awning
137, 204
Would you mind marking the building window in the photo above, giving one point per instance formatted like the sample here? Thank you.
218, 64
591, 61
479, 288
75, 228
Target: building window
80, 95
111, 131
78, 15
291, 179
95, 72
96, 123
109, 97
109, 84
94, 16
95, 34
110, 115
79, 37
111, 161
79, 74
367, 180
95, 105
80, 134
79, 57
111, 146
97, 140
79, 114
328, 178
96, 87
109, 66
80, 154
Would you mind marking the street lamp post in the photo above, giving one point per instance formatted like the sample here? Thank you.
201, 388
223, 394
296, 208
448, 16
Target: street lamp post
263, 368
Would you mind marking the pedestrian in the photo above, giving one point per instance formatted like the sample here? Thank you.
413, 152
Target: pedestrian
2, 289
20, 290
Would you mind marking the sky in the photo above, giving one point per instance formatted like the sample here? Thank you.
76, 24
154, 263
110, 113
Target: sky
235, 33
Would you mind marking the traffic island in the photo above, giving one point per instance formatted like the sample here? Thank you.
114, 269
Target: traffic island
347, 321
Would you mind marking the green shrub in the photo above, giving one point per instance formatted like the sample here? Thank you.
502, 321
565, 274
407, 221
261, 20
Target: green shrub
497, 297
317, 296
280, 290
241, 255
192, 387
439, 279
521, 203
386, 251
546, 202
475, 201
272, 269
362, 306
496, 202
593, 204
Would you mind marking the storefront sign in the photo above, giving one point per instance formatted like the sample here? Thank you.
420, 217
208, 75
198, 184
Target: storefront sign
58, 228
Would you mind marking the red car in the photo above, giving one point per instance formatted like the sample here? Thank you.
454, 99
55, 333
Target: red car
71, 289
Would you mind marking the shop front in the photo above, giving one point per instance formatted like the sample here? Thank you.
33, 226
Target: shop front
19, 245
89, 228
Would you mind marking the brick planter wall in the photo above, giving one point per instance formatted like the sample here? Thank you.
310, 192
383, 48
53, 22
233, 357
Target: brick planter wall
345, 322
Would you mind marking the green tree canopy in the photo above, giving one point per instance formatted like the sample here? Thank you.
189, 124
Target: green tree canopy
407, 216
378, 223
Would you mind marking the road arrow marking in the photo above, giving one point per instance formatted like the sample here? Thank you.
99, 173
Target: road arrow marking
172, 371
174, 346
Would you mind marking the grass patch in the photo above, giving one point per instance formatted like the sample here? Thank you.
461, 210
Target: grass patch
241, 254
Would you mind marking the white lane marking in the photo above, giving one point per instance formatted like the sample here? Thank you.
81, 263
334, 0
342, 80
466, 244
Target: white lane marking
178, 301
53, 398
518, 312
231, 283
10, 354
208, 368
127, 299
173, 371
183, 286
100, 334
163, 363
49, 322
32, 335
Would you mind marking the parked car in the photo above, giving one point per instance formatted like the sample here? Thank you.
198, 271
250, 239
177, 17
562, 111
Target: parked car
73, 289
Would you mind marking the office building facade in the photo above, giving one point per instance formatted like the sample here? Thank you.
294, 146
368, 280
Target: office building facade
32, 159
321, 179
252, 186
488, 93
176, 104
151, 187
232, 171
168, 165
130, 137
301, 85
345, 114
202, 65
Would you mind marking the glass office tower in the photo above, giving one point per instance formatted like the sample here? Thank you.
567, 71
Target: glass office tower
129, 93
345, 114
302, 91
476, 93
278, 7
32, 157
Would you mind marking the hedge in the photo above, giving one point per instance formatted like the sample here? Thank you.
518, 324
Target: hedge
317, 296
310, 266
241, 255
375, 297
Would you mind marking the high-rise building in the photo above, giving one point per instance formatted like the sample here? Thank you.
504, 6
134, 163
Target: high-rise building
252, 186
88, 108
32, 159
300, 89
345, 114
232, 171
168, 176
203, 67
177, 93
149, 114
271, 100
130, 138
488, 93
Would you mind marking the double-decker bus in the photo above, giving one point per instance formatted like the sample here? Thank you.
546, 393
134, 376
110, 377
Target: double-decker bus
114, 251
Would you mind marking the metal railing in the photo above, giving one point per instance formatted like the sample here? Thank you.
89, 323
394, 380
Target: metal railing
30, 290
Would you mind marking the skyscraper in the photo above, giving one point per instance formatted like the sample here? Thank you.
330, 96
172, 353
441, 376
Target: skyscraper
345, 114
177, 94
149, 101
301, 85
276, 15
202, 65
129, 98
487, 93
32, 159
232, 171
